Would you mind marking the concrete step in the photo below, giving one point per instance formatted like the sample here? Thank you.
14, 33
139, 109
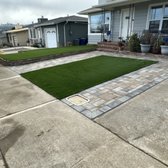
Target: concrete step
108, 43
107, 49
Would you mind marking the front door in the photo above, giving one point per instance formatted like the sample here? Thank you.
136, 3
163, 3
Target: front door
125, 20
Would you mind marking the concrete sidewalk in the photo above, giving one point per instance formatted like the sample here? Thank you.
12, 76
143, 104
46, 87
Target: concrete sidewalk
143, 122
38, 131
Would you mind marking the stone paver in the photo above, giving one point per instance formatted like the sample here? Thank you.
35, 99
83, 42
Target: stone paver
56, 136
143, 121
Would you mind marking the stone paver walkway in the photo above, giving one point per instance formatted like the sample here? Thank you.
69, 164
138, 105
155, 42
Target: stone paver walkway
105, 97
53, 62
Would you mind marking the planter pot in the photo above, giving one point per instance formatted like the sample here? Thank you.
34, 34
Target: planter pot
145, 48
164, 49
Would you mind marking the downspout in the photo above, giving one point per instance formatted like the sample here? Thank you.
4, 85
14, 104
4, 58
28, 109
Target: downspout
129, 21
65, 32
103, 24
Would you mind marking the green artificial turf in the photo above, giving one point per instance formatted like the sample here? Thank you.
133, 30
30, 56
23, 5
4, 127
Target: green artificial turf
46, 52
64, 80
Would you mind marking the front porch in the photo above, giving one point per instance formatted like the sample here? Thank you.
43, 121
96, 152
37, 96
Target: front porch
120, 20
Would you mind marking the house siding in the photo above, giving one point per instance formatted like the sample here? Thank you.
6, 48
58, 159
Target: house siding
141, 14
20, 38
73, 31
93, 39
140, 20
61, 34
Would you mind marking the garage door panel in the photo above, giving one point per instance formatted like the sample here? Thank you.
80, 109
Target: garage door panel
51, 39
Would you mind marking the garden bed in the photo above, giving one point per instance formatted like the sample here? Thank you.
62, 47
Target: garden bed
28, 57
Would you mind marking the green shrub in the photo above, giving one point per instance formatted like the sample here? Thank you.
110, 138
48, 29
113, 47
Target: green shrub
145, 37
134, 43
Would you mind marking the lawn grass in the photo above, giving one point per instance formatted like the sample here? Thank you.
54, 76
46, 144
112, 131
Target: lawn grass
64, 80
46, 52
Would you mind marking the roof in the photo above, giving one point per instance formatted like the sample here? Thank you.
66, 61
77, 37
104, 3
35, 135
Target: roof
63, 19
17, 30
110, 5
90, 10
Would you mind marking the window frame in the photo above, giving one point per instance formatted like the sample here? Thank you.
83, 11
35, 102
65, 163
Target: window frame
103, 21
162, 15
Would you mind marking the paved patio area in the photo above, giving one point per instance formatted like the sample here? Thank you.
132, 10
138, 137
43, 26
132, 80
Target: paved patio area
107, 96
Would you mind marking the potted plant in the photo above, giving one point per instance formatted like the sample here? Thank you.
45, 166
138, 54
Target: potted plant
164, 47
145, 41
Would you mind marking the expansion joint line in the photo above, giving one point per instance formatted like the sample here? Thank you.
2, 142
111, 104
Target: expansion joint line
132, 144
4, 159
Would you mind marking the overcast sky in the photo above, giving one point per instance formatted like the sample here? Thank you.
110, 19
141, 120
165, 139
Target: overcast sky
26, 11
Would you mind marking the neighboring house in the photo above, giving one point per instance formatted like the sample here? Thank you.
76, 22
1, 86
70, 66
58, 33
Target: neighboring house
3, 39
61, 31
111, 19
25, 35
35, 35
18, 36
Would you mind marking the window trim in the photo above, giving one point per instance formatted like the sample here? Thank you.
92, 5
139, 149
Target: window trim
149, 12
89, 22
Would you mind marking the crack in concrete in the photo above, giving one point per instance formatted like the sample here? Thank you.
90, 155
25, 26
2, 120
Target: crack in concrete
4, 159
126, 141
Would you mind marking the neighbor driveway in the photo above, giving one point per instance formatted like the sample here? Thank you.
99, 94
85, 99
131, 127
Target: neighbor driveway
37, 130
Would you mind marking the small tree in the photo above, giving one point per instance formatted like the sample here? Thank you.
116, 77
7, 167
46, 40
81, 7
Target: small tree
134, 43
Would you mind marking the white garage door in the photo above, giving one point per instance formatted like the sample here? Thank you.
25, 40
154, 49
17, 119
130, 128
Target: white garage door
50, 36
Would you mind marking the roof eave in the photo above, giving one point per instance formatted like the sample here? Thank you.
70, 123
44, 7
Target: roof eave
17, 30
90, 10
119, 3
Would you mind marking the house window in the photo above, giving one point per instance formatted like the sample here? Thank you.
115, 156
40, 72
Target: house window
158, 19
155, 19
165, 21
100, 22
32, 33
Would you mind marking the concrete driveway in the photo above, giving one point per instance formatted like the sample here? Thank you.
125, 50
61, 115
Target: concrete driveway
38, 131
18, 94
